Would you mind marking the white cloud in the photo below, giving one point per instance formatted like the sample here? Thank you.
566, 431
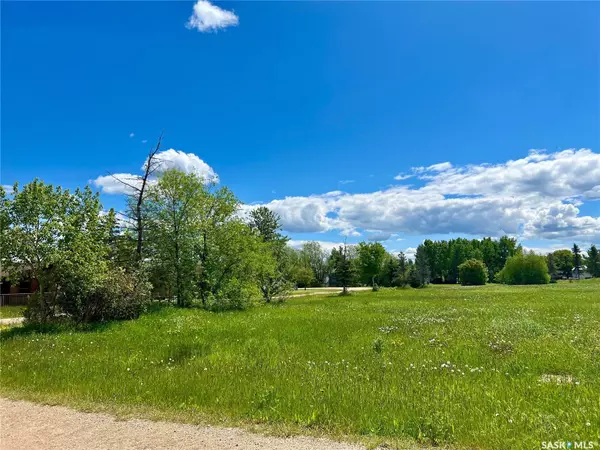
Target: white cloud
537, 196
110, 184
186, 162
131, 135
208, 17
379, 237
346, 181
545, 250
408, 252
562, 175
144, 141
326, 245
425, 172
441, 167
169, 159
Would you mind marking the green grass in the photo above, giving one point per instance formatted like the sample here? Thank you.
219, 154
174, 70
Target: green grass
468, 367
11, 311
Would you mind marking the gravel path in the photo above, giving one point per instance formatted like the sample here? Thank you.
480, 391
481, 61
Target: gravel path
30, 426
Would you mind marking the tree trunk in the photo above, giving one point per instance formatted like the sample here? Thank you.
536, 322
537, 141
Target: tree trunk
204, 257
138, 214
178, 274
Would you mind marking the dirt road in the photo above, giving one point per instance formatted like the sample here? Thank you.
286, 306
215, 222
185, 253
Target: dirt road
30, 426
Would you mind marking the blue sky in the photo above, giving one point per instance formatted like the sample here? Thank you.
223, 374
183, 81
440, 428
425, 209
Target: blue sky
289, 101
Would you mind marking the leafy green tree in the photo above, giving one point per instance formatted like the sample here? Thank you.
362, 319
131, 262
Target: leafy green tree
234, 267
275, 283
552, 270
592, 261
342, 267
507, 247
490, 257
435, 259
201, 248
422, 266
413, 278
63, 241
266, 224
460, 250
402, 274
83, 266
314, 255
577, 260
304, 276
371, 257
526, 268
35, 218
174, 209
5, 205
473, 272
389, 273
297, 268
563, 261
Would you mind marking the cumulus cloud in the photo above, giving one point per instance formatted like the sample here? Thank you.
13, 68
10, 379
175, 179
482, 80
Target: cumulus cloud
409, 252
326, 245
546, 249
379, 237
562, 175
208, 17
110, 184
169, 159
186, 162
537, 196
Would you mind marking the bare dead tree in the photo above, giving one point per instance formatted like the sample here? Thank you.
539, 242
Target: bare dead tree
138, 186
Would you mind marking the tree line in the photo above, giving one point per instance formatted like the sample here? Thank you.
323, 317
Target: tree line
183, 239
476, 261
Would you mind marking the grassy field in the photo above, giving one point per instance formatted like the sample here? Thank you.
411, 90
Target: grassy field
481, 367
11, 311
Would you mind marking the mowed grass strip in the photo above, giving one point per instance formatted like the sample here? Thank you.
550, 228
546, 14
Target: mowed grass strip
7, 312
486, 367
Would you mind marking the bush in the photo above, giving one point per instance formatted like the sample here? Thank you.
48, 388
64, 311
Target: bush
123, 296
472, 272
413, 278
524, 269
117, 295
234, 295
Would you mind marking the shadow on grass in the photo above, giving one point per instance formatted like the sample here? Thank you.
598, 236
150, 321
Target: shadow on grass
55, 327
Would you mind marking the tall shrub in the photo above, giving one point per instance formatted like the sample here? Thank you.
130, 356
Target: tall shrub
472, 272
525, 269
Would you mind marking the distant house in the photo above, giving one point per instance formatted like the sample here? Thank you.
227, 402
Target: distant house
16, 293
584, 275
